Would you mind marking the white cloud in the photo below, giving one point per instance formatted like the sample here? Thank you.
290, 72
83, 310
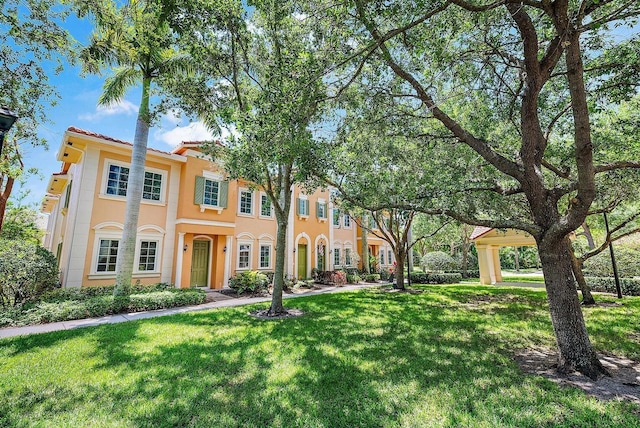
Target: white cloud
123, 107
195, 131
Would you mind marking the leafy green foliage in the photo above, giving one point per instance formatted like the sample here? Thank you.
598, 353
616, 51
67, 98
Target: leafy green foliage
372, 277
26, 271
435, 278
332, 277
437, 261
627, 261
71, 304
629, 286
353, 278
253, 281
20, 223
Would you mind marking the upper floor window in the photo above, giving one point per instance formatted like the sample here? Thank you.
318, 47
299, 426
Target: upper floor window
302, 207
211, 193
265, 206
347, 221
117, 178
245, 202
321, 210
336, 217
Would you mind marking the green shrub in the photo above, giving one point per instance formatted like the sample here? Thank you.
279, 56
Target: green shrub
627, 259
437, 261
331, 277
629, 286
98, 306
385, 274
372, 277
435, 278
468, 274
62, 294
249, 281
26, 271
353, 278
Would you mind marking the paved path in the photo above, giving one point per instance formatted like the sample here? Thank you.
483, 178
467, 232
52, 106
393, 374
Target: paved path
219, 301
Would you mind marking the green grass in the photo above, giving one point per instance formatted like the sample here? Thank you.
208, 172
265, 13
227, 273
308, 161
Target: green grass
364, 359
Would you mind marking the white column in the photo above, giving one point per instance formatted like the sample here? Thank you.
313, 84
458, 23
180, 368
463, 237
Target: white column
169, 253
78, 226
179, 258
227, 261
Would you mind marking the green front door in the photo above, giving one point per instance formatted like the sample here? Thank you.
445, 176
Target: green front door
200, 264
302, 261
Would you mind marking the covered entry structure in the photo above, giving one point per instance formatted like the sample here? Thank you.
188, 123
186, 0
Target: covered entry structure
488, 242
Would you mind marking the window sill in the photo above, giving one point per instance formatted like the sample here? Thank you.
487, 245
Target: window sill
322, 220
303, 217
266, 217
204, 207
112, 275
124, 199
246, 215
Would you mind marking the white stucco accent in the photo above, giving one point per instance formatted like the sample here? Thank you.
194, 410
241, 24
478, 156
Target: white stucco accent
179, 259
170, 252
227, 261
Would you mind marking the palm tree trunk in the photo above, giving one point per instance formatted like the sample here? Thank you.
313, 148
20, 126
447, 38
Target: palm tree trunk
127, 247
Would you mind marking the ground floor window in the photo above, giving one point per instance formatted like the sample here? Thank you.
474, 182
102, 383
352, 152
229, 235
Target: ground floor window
336, 256
347, 256
148, 253
244, 256
265, 256
107, 255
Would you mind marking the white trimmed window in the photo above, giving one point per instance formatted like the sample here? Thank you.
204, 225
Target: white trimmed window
244, 256
347, 221
336, 256
211, 192
245, 202
117, 176
265, 256
265, 206
302, 206
107, 255
381, 257
321, 210
390, 256
148, 256
347, 256
336, 217
107, 244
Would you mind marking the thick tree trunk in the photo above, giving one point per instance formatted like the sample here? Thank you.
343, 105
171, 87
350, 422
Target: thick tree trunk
516, 258
127, 246
276, 308
576, 265
365, 248
587, 234
4, 197
399, 272
574, 347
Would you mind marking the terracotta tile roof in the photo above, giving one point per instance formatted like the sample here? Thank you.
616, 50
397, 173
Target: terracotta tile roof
479, 231
106, 137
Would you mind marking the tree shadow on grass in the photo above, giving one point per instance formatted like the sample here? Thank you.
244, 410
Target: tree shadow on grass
354, 359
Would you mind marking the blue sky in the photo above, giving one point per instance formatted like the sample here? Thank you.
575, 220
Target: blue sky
78, 107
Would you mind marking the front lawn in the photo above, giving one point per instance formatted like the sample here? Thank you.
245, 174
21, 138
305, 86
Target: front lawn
374, 358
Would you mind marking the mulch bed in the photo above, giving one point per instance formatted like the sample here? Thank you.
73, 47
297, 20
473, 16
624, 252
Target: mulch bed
623, 384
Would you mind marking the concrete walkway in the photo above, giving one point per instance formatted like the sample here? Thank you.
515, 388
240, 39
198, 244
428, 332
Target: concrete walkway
219, 301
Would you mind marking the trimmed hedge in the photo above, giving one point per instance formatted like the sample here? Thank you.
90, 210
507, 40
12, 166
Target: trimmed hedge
62, 294
629, 286
435, 278
98, 306
331, 277
249, 281
470, 273
353, 278
372, 277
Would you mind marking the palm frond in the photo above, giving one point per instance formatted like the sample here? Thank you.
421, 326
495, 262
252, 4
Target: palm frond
116, 85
